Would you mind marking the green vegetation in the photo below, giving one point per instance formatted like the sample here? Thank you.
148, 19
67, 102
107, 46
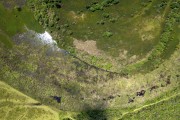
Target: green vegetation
79, 85
108, 34
5, 40
15, 105
139, 30
167, 109
138, 39
24, 107
155, 58
100, 6
15, 21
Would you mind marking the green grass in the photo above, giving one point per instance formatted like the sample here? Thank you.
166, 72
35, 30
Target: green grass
13, 22
117, 28
122, 35
165, 110
172, 46
169, 40
81, 87
5, 40
87, 93
15, 105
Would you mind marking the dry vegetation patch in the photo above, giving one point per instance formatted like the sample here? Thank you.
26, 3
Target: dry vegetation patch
88, 46
150, 28
76, 16
12, 3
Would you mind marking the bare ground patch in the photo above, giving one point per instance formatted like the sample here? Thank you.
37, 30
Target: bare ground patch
88, 46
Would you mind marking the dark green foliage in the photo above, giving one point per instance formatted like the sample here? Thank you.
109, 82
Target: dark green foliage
18, 8
108, 114
41, 12
92, 115
175, 5
100, 6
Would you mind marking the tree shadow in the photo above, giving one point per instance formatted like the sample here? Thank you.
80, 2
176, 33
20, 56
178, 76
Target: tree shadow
92, 115
98, 113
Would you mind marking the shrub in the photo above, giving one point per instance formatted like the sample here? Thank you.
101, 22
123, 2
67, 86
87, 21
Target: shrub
51, 24
18, 8
105, 15
69, 32
58, 27
107, 34
99, 6
66, 25
92, 9
113, 20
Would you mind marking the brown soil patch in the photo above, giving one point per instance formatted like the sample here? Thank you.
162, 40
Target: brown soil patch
88, 46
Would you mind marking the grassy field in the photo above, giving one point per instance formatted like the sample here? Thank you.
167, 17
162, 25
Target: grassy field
15, 106
62, 87
162, 110
13, 21
114, 36
42, 73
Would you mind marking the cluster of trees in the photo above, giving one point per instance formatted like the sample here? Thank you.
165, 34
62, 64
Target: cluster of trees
45, 13
175, 5
52, 3
42, 12
99, 6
